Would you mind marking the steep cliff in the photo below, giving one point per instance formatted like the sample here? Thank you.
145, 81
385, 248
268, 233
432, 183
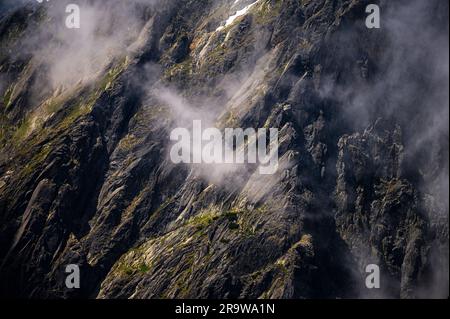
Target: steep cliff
85, 176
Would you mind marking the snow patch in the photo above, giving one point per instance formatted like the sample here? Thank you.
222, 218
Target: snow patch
238, 14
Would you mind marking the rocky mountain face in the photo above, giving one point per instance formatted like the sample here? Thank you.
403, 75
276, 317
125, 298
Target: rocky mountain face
85, 176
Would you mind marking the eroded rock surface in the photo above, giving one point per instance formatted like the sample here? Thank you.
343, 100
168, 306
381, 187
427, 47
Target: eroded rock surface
85, 176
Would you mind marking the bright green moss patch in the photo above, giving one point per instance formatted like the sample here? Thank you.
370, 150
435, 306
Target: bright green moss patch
203, 221
144, 268
75, 112
132, 266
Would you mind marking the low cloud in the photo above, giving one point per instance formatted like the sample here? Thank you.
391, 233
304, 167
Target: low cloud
108, 29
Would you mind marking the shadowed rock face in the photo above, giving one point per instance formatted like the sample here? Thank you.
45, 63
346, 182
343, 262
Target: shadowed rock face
85, 176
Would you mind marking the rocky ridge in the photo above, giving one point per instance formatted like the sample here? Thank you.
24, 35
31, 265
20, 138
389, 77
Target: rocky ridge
85, 177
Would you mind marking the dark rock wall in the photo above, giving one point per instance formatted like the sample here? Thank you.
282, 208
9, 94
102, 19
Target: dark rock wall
85, 176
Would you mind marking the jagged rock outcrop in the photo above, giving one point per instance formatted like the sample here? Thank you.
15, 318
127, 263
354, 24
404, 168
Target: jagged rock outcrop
380, 214
85, 176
